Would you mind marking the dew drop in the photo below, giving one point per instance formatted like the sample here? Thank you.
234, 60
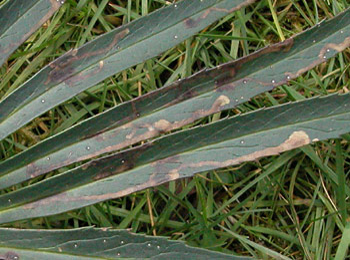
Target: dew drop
288, 77
175, 37
158, 247
149, 244
325, 57
88, 148
175, 5
122, 242
244, 82
118, 254
9, 200
273, 81
242, 142
314, 41
48, 158
328, 50
123, 161
104, 240
342, 31
75, 245
43, 101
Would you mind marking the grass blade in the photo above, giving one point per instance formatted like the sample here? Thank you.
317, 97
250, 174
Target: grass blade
344, 244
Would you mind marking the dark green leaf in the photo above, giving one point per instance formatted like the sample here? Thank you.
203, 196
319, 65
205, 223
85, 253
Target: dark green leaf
19, 19
91, 243
227, 142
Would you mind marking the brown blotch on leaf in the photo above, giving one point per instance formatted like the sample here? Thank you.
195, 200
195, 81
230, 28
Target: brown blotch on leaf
193, 23
339, 47
62, 68
295, 140
174, 175
55, 4
32, 170
123, 162
162, 125
115, 170
190, 23
230, 70
223, 100
9, 256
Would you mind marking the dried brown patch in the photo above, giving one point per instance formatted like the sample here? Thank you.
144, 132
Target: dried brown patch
55, 4
338, 47
190, 23
62, 68
223, 100
295, 140
10, 256
341, 46
162, 125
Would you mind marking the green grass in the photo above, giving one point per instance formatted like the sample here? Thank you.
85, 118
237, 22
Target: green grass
282, 205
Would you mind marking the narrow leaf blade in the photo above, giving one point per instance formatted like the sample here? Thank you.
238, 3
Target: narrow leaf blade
228, 142
88, 243
20, 19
